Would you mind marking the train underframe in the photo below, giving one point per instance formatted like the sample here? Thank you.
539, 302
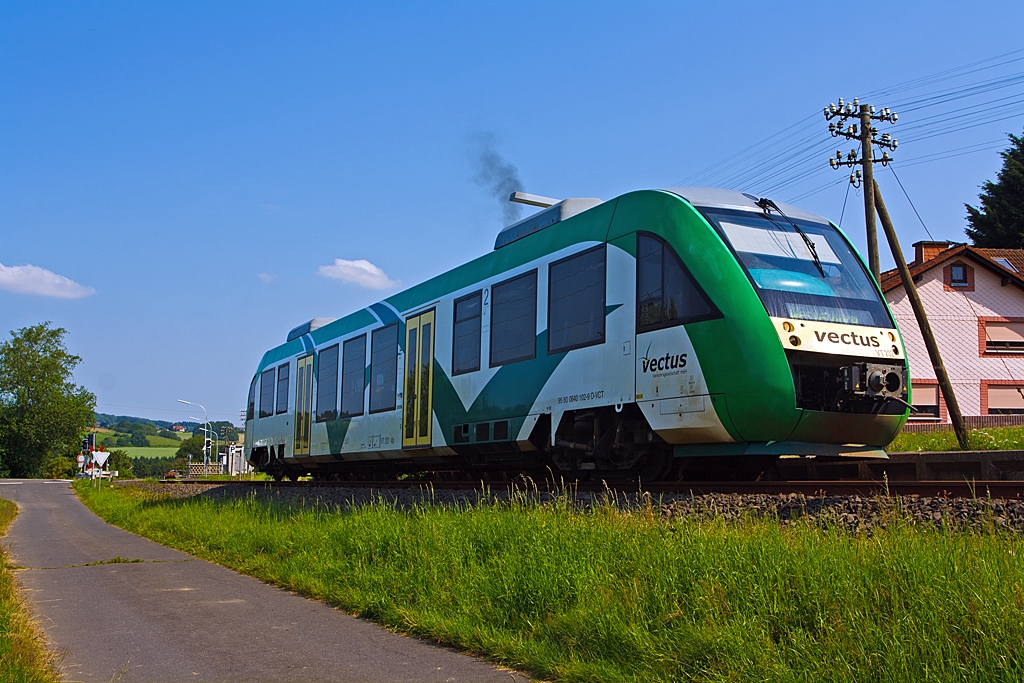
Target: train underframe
594, 444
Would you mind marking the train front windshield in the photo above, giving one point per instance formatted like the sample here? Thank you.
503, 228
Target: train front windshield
805, 271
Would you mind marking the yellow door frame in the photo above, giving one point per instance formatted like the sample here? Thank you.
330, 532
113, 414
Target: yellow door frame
419, 380
303, 404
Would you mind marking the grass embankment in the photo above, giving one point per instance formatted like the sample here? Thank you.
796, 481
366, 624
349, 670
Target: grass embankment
22, 657
995, 438
613, 595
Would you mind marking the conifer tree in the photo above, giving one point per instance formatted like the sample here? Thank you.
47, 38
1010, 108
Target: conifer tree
999, 223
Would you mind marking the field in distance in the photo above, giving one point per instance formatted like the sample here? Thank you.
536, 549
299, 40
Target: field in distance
148, 452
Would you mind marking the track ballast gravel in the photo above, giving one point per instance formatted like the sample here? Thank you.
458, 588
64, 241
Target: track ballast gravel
862, 513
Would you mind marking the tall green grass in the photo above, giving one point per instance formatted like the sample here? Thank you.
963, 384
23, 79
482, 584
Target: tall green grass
609, 594
993, 438
22, 656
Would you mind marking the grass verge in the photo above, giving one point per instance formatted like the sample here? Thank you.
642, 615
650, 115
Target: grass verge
994, 438
618, 595
23, 659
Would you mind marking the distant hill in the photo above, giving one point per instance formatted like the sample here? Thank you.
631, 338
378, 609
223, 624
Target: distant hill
106, 420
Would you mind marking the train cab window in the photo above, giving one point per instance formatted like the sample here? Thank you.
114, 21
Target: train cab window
466, 334
282, 389
666, 293
327, 385
267, 392
250, 405
384, 369
353, 376
576, 298
514, 320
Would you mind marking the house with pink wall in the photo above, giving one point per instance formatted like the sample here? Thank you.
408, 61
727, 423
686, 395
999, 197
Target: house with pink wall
975, 303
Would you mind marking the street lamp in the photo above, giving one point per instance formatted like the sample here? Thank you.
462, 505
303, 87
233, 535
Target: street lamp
206, 455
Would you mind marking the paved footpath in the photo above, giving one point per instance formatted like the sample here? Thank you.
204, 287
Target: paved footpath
174, 617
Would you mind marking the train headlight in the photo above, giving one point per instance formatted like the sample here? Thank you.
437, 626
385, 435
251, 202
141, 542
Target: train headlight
794, 340
895, 350
787, 326
892, 337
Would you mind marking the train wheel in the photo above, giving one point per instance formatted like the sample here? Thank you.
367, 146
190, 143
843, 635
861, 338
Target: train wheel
655, 465
278, 476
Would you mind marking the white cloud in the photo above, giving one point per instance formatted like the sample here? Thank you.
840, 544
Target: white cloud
41, 282
266, 278
361, 272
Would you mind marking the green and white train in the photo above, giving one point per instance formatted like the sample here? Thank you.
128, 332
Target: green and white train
666, 333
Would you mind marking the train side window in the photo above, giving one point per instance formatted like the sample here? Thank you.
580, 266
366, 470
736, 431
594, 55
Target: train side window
353, 376
666, 293
384, 369
267, 393
327, 385
250, 406
282, 389
466, 334
514, 319
576, 299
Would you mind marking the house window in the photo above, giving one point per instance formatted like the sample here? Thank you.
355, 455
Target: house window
384, 368
576, 296
466, 334
282, 389
1005, 263
267, 393
958, 275
327, 385
1004, 337
926, 401
666, 293
1005, 400
514, 320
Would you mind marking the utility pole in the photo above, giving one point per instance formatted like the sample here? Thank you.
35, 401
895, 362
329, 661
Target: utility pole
922, 319
868, 136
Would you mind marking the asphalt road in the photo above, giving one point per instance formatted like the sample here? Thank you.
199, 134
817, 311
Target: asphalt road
174, 617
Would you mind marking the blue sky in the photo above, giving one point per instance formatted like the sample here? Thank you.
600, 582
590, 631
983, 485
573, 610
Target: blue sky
178, 181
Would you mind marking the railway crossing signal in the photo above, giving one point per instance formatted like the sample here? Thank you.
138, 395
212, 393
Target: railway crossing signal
868, 136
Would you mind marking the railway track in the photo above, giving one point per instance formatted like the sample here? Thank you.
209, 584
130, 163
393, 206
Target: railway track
965, 488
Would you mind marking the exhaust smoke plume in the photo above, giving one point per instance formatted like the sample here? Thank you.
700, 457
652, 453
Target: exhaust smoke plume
499, 176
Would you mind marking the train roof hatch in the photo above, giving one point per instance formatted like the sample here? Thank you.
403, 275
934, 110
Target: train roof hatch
306, 328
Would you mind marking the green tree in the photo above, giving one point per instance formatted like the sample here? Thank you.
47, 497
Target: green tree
138, 439
156, 467
60, 467
42, 411
224, 430
192, 446
999, 223
120, 461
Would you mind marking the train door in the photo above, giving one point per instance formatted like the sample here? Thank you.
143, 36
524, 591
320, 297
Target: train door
419, 379
303, 404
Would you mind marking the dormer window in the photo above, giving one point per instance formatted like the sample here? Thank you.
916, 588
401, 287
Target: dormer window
958, 275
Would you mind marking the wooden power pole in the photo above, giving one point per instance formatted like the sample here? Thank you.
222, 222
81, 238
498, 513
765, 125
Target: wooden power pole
867, 134
922, 318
